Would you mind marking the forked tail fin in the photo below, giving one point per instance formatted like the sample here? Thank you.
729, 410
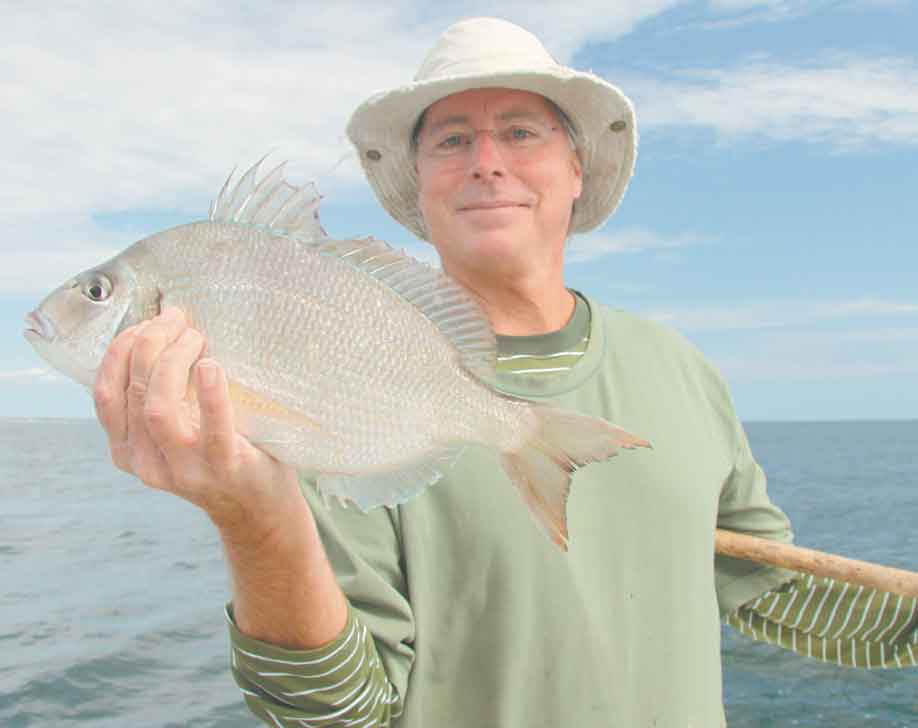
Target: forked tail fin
541, 469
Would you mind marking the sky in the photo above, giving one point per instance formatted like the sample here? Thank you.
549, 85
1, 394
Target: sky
771, 219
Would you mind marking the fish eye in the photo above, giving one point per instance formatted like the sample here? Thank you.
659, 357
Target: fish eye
97, 289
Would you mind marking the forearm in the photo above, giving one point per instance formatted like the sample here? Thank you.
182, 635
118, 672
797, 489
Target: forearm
836, 622
284, 589
293, 661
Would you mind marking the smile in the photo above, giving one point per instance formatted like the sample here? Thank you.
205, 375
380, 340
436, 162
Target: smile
496, 205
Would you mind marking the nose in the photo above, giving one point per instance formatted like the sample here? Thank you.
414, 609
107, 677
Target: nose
486, 158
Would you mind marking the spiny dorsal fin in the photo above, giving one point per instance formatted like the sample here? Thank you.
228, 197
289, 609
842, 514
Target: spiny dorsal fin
447, 304
272, 202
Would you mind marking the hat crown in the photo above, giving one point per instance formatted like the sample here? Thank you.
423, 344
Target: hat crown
484, 45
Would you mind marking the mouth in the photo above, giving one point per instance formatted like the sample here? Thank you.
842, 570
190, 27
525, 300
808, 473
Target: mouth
491, 205
38, 326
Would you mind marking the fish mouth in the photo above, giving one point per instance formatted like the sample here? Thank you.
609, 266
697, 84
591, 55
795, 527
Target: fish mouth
39, 326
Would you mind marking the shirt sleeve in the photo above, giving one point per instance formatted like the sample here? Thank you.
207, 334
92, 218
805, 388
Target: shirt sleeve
745, 507
337, 684
361, 677
834, 621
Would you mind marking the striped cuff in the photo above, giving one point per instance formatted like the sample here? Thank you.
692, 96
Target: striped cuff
340, 683
836, 622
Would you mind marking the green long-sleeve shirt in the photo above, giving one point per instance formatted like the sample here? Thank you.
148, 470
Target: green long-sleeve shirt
463, 613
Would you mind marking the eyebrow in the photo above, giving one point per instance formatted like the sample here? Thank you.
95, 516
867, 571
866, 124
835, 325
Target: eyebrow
508, 115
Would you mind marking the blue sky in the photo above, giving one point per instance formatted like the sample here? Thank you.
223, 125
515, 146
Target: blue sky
771, 218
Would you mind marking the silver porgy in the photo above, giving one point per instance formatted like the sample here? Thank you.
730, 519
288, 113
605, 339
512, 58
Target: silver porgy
349, 360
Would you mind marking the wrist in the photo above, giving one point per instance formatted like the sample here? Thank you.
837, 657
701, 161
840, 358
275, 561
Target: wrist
260, 532
285, 591
248, 510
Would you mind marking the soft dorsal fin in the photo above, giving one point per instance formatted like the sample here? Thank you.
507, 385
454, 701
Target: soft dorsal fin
447, 304
272, 202
287, 210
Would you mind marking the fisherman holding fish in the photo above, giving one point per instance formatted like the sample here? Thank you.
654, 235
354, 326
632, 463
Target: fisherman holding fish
448, 606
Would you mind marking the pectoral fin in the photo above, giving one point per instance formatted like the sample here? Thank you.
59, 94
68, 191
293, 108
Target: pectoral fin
251, 404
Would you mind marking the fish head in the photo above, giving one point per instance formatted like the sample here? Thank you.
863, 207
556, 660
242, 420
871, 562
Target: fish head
73, 326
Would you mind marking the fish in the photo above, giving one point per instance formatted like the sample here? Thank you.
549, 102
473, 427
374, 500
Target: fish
351, 361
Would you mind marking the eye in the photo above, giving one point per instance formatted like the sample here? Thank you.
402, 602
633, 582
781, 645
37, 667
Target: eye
521, 135
97, 288
451, 142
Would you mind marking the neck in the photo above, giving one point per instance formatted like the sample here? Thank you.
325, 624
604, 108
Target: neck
522, 306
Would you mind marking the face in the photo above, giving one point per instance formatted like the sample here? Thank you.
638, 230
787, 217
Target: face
497, 179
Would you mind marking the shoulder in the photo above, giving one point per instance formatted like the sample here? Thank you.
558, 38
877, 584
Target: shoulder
655, 350
627, 331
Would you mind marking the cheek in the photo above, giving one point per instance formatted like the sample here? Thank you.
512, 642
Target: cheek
433, 194
557, 188
424, 189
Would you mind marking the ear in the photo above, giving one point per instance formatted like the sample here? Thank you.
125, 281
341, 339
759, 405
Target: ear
577, 168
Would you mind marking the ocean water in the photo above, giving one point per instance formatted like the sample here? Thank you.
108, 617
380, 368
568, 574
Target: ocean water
111, 594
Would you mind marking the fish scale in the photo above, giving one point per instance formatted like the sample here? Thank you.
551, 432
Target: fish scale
372, 401
346, 359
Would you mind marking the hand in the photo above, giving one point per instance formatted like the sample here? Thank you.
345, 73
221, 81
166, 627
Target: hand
149, 390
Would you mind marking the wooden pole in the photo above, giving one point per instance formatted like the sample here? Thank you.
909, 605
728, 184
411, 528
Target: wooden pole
819, 563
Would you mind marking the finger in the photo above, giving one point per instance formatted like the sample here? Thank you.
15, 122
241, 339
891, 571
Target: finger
111, 382
156, 336
218, 433
165, 410
146, 459
109, 392
148, 463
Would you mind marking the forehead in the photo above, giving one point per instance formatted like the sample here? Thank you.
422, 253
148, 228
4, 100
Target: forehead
488, 102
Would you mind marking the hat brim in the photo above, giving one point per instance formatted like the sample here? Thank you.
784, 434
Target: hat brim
602, 116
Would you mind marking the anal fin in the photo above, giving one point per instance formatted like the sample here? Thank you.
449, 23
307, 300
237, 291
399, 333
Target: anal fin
389, 487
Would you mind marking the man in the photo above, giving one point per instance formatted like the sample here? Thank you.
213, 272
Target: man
453, 609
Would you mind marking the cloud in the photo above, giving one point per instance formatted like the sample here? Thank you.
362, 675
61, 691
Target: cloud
840, 100
814, 354
40, 255
803, 365
115, 110
584, 248
108, 109
563, 33
32, 374
880, 336
776, 314
735, 13
875, 4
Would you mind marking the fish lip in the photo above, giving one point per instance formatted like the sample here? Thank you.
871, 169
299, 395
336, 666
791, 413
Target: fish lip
39, 325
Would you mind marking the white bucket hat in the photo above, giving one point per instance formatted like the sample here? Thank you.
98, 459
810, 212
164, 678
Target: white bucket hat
493, 53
